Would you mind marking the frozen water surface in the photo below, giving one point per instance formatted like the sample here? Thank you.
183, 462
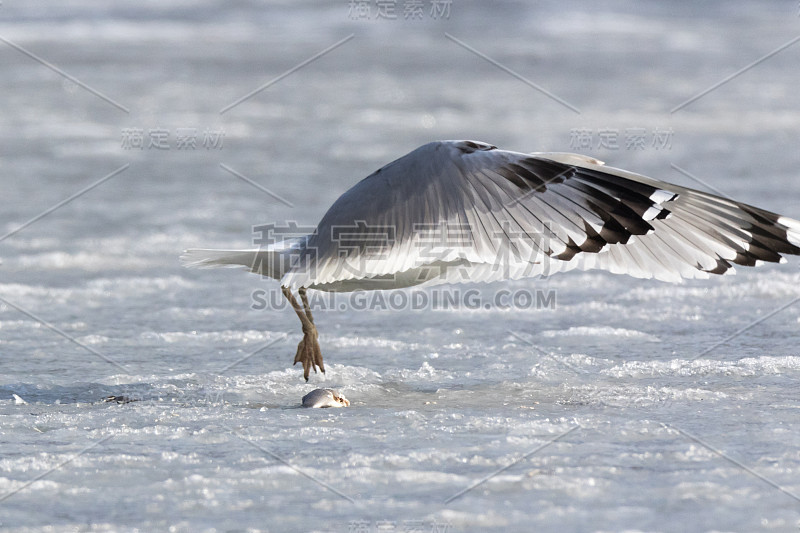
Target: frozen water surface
619, 408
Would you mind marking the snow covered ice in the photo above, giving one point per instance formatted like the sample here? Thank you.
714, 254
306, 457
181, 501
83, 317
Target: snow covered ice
617, 408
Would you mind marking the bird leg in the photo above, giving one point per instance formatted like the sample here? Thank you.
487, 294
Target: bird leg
308, 351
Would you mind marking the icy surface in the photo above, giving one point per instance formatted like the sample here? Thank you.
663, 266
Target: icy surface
621, 408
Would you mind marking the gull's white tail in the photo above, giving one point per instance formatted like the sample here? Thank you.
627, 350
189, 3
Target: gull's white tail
264, 262
271, 261
199, 258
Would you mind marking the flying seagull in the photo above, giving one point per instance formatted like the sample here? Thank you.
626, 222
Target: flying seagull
466, 211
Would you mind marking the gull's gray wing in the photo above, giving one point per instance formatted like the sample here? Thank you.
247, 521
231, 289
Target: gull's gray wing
465, 211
